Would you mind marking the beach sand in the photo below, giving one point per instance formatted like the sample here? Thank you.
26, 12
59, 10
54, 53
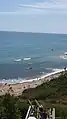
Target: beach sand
17, 89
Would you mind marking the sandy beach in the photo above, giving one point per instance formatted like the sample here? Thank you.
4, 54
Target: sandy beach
18, 88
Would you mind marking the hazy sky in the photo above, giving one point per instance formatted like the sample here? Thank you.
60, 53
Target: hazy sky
33, 15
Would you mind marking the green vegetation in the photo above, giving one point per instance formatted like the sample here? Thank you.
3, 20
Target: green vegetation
12, 107
54, 90
50, 94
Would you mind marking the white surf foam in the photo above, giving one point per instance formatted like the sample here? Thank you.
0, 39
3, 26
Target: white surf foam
53, 73
12, 81
49, 68
20, 80
17, 60
56, 69
65, 53
27, 58
63, 57
42, 72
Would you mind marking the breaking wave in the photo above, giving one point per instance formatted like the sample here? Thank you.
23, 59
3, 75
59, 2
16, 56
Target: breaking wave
56, 69
27, 58
18, 60
21, 80
63, 57
18, 80
53, 69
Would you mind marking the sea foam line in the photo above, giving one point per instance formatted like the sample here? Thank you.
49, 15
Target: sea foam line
20, 80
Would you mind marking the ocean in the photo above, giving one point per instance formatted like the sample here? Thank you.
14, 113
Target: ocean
25, 56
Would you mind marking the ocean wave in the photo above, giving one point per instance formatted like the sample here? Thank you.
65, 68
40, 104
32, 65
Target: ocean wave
42, 72
65, 53
49, 68
56, 69
17, 60
53, 69
63, 57
27, 58
21, 80
18, 80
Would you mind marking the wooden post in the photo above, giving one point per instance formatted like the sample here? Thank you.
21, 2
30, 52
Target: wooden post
28, 112
49, 114
53, 113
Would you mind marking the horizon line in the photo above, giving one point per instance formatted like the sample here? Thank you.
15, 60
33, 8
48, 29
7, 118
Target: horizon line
34, 32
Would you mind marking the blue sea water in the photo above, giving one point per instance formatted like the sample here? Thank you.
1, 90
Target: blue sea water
27, 55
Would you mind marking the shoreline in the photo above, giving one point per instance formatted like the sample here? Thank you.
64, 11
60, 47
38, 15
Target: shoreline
18, 88
20, 80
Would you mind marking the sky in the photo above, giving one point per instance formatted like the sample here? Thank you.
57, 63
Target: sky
44, 16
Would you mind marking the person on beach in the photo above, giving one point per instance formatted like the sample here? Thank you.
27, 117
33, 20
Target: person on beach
9, 85
44, 115
24, 87
41, 113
